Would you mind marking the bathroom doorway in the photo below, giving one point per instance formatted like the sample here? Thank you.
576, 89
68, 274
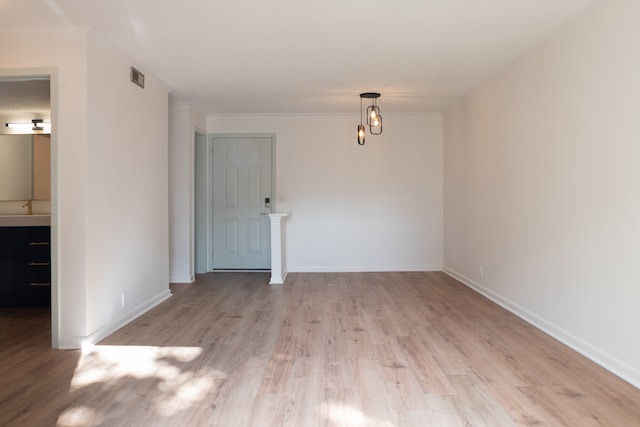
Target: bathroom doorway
27, 107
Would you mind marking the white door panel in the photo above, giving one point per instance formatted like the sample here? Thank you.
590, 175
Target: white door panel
241, 183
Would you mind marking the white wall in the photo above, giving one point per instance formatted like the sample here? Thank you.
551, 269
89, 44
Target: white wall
103, 209
127, 221
65, 56
184, 120
376, 207
542, 187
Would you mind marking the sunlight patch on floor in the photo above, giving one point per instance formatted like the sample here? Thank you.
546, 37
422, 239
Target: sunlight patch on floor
79, 416
101, 363
115, 372
341, 415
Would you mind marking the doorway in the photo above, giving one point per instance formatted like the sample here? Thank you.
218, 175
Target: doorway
237, 180
30, 95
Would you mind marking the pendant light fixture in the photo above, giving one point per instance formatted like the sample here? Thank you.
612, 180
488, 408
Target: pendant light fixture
374, 118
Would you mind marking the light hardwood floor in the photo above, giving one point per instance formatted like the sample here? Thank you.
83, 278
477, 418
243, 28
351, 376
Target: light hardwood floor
352, 349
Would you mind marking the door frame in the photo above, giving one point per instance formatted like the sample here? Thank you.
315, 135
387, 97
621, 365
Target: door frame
206, 209
201, 212
52, 74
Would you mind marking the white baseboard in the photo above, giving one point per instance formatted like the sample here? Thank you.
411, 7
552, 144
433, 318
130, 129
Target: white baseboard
76, 342
181, 279
597, 355
278, 282
365, 269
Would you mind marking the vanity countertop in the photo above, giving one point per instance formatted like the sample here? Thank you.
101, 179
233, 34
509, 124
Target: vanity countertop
25, 220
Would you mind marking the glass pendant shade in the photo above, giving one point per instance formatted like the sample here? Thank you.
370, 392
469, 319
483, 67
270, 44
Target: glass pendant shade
376, 126
361, 134
373, 112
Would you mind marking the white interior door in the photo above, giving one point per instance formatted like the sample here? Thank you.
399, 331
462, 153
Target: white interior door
241, 195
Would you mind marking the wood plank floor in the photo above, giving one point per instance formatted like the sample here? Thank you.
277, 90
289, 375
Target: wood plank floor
340, 349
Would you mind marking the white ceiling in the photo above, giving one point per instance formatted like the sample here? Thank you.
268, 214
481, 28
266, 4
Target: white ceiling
30, 96
297, 56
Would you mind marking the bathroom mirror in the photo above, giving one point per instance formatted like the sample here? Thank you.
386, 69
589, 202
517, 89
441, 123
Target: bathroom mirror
25, 167
25, 159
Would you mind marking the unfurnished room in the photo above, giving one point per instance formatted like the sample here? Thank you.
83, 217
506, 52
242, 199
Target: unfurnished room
338, 213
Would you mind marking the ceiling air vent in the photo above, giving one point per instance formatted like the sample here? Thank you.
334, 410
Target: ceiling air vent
137, 77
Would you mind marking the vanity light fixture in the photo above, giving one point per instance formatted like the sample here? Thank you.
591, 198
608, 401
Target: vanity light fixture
35, 124
374, 118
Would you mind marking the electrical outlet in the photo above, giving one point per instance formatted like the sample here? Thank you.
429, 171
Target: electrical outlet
123, 299
481, 272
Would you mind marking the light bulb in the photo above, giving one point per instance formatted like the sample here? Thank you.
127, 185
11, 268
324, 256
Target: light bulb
361, 134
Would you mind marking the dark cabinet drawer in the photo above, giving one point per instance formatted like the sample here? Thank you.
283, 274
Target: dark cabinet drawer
25, 269
25, 295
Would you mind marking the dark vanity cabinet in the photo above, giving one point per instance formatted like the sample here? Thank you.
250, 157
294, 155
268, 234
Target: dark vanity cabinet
25, 266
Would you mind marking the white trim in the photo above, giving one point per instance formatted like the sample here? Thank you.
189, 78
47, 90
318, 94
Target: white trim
195, 215
343, 114
597, 355
283, 278
76, 342
182, 279
364, 269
